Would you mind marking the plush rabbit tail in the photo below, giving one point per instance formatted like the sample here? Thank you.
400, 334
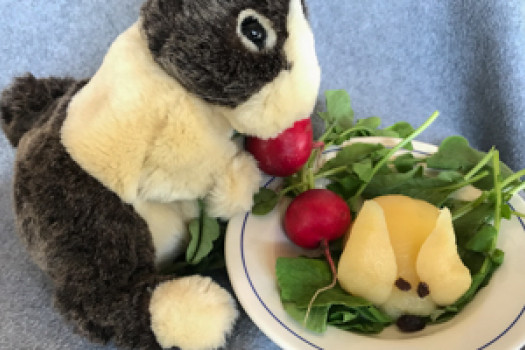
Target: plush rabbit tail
23, 105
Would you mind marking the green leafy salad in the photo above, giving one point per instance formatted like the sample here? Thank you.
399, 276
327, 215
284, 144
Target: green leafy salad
361, 171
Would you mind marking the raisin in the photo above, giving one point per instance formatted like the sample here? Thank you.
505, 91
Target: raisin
403, 284
410, 323
423, 290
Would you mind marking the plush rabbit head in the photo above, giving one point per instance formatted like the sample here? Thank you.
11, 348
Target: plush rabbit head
253, 60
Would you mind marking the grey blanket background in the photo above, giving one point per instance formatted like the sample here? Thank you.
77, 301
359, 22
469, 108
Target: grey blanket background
399, 60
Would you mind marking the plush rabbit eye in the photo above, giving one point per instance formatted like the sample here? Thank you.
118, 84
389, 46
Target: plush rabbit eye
255, 31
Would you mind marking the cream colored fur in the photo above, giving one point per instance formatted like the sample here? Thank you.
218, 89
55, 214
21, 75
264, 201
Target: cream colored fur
141, 134
192, 313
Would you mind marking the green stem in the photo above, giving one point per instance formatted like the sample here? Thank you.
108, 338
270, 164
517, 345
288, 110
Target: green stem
400, 145
515, 213
354, 129
304, 173
512, 178
469, 206
312, 159
462, 184
517, 189
333, 171
311, 179
481, 164
290, 188
497, 190
327, 132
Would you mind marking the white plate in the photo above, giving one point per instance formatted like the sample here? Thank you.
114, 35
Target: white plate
493, 320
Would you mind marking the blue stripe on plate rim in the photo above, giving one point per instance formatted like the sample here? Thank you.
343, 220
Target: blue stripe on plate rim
243, 230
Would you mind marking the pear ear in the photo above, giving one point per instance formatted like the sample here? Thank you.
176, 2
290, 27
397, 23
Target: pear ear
439, 264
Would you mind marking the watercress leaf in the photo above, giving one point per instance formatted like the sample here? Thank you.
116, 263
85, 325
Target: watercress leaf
483, 240
345, 186
339, 108
379, 154
351, 154
506, 211
405, 162
438, 183
435, 190
471, 259
468, 225
325, 116
455, 153
334, 296
373, 314
402, 129
213, 261
389, 183
363, 169
317, 318
355, 203
204, 230
386, 133
342, 316
450, 176
364, 327
497, 257
264, 201
368, 125
430, 195
299, 278
194, 230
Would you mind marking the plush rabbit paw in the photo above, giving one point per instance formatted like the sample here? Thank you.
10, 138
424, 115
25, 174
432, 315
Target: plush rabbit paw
235, 187
192, 313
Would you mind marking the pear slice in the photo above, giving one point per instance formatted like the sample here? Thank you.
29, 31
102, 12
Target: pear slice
367, 267
439, 265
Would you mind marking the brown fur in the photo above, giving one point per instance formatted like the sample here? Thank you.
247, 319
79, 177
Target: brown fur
28, 98
97, 249
196, 35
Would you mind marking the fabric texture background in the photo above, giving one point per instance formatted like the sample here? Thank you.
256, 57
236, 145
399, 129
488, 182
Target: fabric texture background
399, 60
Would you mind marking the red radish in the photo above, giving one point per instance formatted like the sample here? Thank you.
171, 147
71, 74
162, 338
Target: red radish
316, 215
285, 154
314, 218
